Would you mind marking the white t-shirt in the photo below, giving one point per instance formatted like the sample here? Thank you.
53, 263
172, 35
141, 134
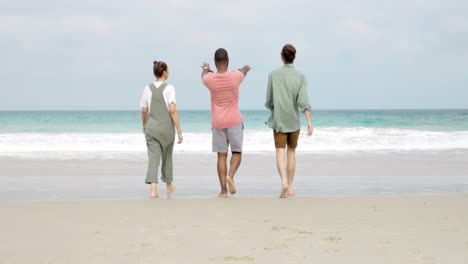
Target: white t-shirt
168, 94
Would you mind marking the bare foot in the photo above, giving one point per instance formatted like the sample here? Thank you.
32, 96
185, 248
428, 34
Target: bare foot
222, 195
231, 185
154, 190
170, 188
290, 192
284, 190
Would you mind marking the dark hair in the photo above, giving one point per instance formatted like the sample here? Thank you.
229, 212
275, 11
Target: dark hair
221, 55
289, 53
158, 68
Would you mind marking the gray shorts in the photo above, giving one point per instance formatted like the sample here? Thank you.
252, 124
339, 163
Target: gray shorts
231, 136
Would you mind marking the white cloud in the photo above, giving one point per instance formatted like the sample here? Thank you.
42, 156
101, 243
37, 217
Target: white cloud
457, 24
405, 44
96, 37
70, 24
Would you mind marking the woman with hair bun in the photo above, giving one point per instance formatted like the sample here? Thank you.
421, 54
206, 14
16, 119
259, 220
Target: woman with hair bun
159, 116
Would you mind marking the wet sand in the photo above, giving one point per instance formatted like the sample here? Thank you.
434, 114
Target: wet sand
345, 174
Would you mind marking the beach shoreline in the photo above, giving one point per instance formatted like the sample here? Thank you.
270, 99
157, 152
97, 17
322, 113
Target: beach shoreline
341, 174
351, 207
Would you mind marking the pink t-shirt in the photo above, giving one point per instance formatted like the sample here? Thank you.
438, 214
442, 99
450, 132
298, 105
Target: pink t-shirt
224, 89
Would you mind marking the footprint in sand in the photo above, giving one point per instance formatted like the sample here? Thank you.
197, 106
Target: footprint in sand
276, 247
333, 250
304, 232
146, 244
375, 208
384, 242
141, 243
293, 238
333, 239
278, 228
243, 258
295, 230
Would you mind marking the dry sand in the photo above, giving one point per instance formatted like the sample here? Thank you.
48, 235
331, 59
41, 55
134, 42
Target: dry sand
424, 229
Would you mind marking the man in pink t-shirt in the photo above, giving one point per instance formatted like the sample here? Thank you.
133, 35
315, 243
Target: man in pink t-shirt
226, 119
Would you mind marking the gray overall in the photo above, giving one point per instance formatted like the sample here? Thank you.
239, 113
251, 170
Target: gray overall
159, 135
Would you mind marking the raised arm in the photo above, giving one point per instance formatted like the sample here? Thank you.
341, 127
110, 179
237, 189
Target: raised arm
205, 69
175, 119
245, 69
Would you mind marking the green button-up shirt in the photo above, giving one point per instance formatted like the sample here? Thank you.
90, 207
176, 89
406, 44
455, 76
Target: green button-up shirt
286, 95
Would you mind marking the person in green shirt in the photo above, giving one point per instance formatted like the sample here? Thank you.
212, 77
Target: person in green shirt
286, 96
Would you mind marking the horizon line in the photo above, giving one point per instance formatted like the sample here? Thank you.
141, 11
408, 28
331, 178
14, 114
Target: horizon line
264, 109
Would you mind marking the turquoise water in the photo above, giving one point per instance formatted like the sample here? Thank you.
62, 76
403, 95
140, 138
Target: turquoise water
116, 137
199, 121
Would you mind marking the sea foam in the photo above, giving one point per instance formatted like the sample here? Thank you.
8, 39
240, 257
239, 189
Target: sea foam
329, 140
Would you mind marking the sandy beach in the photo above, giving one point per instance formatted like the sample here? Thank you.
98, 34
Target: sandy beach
374, 92
238, 230
405, 207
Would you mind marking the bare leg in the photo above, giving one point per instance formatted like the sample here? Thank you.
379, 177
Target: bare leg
281, 164
222, 171
154, 190
291, 169
234, 165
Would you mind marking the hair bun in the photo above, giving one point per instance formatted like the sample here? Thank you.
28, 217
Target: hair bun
159, 68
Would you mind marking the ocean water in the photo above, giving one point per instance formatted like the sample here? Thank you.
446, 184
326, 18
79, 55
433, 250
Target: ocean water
38, 150
117, 134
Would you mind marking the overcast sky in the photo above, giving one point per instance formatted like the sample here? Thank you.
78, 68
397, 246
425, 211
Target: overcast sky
98, 55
